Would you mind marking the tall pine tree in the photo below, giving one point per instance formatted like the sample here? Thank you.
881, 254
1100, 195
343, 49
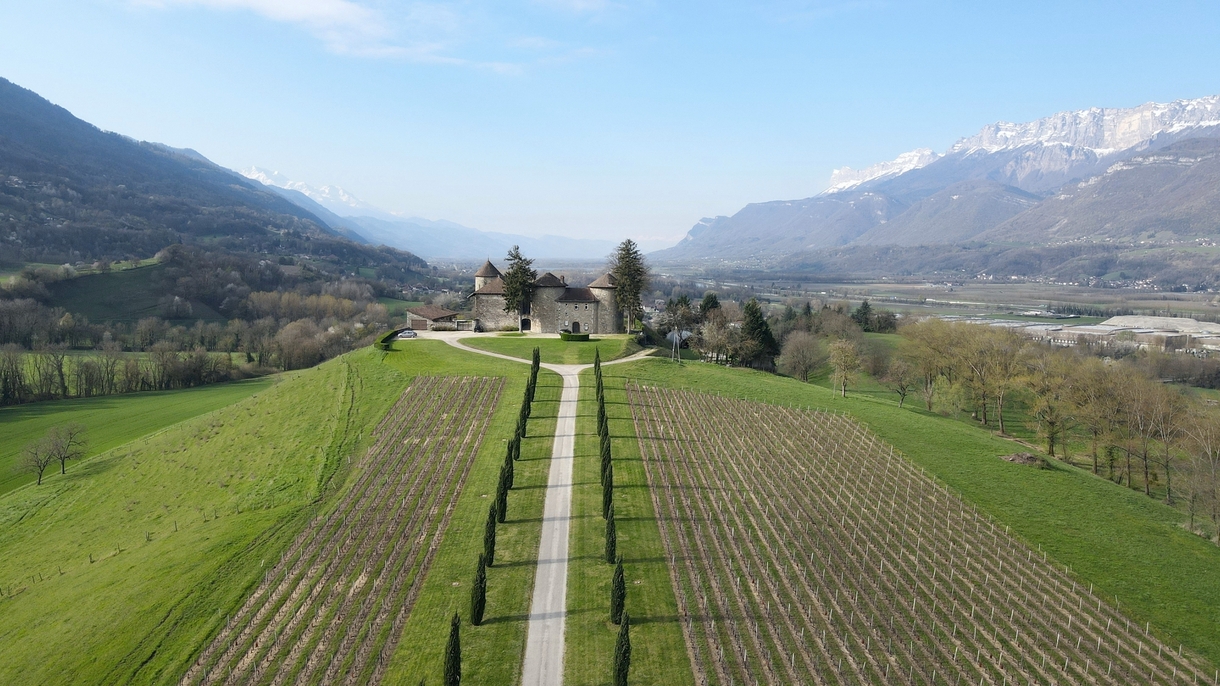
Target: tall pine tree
618, 592
478, 592
453, 653
489, 536
631, 279
622, 651
518, 282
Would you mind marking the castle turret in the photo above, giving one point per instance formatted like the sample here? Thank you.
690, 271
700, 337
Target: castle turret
485, 274
610, 319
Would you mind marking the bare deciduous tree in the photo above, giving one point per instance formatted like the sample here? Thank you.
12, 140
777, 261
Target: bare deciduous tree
66, 442
844, 360
802, 354
36, 458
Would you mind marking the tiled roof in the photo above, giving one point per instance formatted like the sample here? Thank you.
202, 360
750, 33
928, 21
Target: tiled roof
577, 295
606, 280
549, 280
488, 270
431, 312
493, 287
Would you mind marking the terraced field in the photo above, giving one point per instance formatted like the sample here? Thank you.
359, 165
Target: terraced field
331, 610
804, 550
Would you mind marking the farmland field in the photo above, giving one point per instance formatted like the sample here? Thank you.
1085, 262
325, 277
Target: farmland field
805, 550
335, 604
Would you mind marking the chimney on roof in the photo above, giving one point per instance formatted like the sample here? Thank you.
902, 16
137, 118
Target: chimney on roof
564, 279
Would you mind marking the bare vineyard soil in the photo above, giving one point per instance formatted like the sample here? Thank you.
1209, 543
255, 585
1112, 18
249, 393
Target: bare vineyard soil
804, 550
331, 610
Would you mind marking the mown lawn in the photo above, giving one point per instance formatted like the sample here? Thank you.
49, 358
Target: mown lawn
658, 649
1124, 543
109, 421
555, 351
492, 652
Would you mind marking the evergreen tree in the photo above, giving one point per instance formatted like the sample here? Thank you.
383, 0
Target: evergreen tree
710, 302
622, 651
605, 460
602, 425
608, 491
757, 333
525, 404
863, 315
478, 593
489, 536
501, 503
518, 282
618, 593
453, 653
631, 279
611, 536
508, 465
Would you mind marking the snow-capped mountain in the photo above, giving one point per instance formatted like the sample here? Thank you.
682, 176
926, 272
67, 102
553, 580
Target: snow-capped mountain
332, 198
1005, 182
1052, 149
844, 178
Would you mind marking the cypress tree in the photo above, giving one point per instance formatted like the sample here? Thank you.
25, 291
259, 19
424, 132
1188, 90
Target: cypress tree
453, 653
478, 593
605, 460
525, 404
515, 446
603, 426
622, 651
501, 502
611, 537
608, 491
509, 467
618, 593
489, 536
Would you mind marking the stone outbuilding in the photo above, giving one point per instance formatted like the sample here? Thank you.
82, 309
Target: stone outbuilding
426, 317
555, 306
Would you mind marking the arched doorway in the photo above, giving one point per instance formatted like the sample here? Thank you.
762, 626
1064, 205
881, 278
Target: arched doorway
525, 325
575, 327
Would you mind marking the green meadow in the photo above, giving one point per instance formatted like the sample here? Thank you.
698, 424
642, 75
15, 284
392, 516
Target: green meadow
109, 421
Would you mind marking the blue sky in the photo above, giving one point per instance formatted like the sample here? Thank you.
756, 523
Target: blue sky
595, 118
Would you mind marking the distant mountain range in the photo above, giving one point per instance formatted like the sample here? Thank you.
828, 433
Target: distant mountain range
430, 238
1147, 175
70, 192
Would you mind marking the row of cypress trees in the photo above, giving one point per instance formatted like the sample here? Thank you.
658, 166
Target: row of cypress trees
496, 513
618, 584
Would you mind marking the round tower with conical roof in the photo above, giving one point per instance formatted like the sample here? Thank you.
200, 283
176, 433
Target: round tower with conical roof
485, 274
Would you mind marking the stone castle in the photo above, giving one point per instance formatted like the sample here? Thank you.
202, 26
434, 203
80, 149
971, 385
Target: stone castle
555, 306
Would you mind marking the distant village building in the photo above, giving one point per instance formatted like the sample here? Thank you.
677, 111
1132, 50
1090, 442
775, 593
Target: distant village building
1130, 331
555, 306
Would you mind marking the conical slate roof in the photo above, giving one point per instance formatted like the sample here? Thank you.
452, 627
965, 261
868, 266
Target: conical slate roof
549, 280
606, 280
488, 270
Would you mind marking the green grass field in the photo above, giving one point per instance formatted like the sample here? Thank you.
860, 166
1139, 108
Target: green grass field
1124, 543
110, 421
122, 569
555, 351
398, 308
658, 651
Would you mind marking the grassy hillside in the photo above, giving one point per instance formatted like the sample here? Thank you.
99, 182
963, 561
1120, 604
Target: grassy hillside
1125, 544
555, 351
119, 571
110, 421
